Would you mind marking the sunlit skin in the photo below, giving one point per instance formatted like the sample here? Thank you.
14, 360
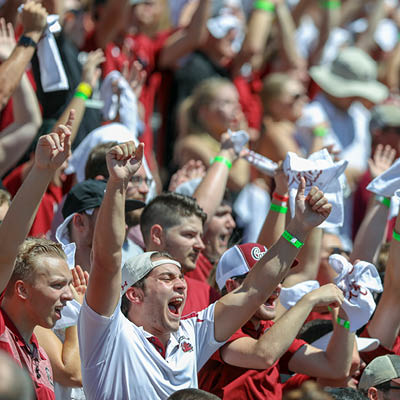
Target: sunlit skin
159, 307
219, 230
223, 112
392, 394
136, 192
184, 242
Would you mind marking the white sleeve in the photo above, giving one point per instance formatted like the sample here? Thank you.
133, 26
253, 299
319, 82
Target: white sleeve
96, 334
206, 345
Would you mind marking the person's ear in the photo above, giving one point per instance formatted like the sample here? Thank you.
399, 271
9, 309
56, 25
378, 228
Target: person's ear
373, 393
135, 295
157, 235
79, 222
231, 284
21, 290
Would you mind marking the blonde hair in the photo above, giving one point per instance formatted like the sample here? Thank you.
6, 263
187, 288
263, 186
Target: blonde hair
188, 112
273, 86
29, 251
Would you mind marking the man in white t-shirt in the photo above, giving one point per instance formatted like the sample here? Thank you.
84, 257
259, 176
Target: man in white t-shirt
153, 352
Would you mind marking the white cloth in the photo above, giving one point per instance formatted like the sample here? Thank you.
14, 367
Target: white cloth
52, 72
69, 315
124, 104
288, 297
388, 182
62, 237
108, 133
119, 362
318, 170
357, 282
251, 208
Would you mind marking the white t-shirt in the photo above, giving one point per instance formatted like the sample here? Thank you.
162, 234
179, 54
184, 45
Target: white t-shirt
119, 362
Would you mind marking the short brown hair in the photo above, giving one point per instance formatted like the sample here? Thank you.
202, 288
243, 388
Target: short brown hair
96, 163
31, 249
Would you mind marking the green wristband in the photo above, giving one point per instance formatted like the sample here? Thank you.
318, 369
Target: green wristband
396, 236
223, 160
343, 322
330, 4
279, 209
384, 200
320, 131
81, 95
264, 5
292, 240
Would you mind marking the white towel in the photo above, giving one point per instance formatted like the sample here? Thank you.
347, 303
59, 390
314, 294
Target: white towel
62, 237
126, 106
318, 170
52, 72
288, 297
388, 182
357, 282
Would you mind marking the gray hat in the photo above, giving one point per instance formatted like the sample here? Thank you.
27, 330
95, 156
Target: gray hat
136, 268
352, 73
386, 115
379, 370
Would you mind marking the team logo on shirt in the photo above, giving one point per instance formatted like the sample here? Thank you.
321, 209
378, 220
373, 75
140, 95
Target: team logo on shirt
186, 346
257, 253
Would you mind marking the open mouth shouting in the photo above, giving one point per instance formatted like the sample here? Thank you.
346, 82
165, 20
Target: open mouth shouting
175, 305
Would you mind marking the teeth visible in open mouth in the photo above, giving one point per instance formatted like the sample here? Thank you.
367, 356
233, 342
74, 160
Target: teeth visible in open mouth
174, 305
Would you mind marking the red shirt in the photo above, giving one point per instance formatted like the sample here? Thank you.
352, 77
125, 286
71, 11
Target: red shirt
229, 382
199, 296
36, 361
49, 204
202, 270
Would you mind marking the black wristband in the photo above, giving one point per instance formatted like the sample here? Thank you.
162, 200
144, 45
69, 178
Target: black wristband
26, 41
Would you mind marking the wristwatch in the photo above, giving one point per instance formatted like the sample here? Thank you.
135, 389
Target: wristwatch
26, 41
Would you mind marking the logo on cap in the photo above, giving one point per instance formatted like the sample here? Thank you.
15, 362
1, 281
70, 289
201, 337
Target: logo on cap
257, 253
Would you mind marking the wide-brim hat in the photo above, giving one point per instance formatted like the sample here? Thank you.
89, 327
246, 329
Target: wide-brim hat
352, 74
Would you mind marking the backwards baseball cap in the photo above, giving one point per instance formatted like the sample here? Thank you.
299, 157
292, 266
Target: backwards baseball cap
363, 343
352, 73
136, 268
88, 195
380, 370
237, 261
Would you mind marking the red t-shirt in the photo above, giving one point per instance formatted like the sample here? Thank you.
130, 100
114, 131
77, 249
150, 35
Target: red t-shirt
202, 270
36, 362
49, 204
229, 382
199, 296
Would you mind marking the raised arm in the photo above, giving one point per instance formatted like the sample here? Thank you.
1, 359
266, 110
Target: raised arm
186, 40
237, 307
210, 192
33, 22
371, 233
52, 151
104, 286
385, 324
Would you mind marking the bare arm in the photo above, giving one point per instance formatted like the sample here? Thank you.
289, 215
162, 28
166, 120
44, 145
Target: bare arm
18, 136
366, 39
236, 308
185, 41
210, 192
11, 71
275, 222
51, 151
263, 353
90, 75
287, 31
334, 363
385, 324
104, 285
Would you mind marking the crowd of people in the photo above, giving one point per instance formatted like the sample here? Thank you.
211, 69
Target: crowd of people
200, 199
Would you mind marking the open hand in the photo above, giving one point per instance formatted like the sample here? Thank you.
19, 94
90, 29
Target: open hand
80, 281
382, 160
54, 148
312, 210
7, 39
191, 170
91, 71
123, 160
